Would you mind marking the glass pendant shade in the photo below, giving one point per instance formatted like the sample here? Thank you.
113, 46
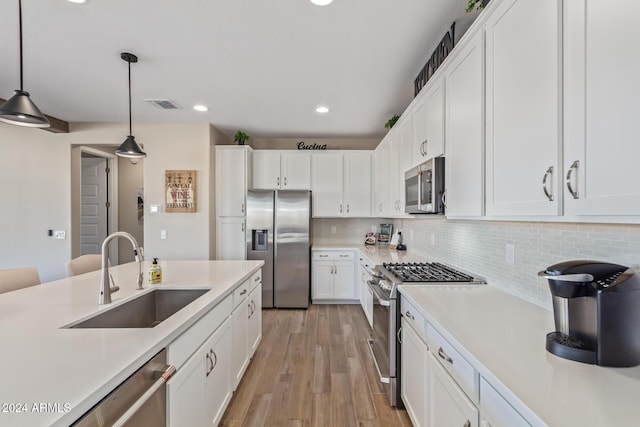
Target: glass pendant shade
130, 149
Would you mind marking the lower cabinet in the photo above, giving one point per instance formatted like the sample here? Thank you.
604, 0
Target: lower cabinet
333, 276
247, 326
201, 388
414, 375
230, 242
448, 404
495, 411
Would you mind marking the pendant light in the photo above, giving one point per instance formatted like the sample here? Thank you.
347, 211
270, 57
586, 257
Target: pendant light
20, 109
130, 148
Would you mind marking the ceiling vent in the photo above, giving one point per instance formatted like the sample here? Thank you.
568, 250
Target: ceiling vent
165, 104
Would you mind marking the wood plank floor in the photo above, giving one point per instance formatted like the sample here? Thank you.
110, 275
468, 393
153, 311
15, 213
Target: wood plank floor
312, 368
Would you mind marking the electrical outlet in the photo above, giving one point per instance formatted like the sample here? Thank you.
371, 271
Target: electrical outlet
333, 229
509, 253
163, 234
59, 234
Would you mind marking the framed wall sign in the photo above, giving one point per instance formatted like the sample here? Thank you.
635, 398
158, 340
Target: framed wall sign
180, 190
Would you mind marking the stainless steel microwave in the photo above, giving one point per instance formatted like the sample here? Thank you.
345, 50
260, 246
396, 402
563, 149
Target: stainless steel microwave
424, 187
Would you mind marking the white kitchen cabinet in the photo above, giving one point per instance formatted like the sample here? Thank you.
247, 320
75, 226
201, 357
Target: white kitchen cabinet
281, 170
396, 155
247, 325
523, 99
381, 177
333, 276
255, 319
495, 411
201, 388
233, 174
447, 404
602, 125
341, 184
230, 238
414, 375
464, 82
428, 122
366, 294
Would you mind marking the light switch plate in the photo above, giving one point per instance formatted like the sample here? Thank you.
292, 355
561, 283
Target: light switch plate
59, 234
155, 209
163, 234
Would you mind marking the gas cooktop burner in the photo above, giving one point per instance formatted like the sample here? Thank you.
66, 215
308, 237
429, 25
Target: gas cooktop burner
425, 272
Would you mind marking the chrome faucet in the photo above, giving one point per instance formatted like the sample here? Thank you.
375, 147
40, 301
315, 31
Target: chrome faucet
105, 289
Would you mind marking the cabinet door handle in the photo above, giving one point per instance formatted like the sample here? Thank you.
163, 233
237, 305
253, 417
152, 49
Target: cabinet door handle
249, 312
341, 208
409, 315
244, 291
547, 174
444, 356
343, 255
209, 364
444, 198
278, 182
242, 208
573, 168
215, 359
467, 424
243, 226
399, 335
347, 207
253, 303
323, 256
257, 279
285, 181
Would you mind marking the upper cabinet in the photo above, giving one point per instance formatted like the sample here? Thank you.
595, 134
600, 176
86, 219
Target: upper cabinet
464, 181
427, 116
281, 170
233, 174
341, 184
523, 100
601, 92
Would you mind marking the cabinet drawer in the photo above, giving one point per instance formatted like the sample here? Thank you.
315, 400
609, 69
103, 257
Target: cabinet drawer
242, 292
411, 315
187, 343
333, 255
255, 280
495, 410
461, 370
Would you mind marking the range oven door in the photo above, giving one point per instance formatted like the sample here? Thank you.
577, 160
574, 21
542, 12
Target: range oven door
383, 344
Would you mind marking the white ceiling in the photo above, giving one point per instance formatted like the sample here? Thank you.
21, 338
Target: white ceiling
259, 65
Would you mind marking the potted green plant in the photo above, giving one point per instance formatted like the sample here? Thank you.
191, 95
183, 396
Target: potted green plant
476, 4
392, 121
240, 137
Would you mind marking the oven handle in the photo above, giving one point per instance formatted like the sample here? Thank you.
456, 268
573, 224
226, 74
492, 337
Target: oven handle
168, 373
384, 380
383, 300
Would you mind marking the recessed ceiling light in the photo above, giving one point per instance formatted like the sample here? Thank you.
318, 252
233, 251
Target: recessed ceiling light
78, 1
322, 109
321, 2
200, 108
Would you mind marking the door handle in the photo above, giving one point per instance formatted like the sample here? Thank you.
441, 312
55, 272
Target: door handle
573, 168
444, 356
547, 174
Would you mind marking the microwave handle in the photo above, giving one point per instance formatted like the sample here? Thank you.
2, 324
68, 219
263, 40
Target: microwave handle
419, 188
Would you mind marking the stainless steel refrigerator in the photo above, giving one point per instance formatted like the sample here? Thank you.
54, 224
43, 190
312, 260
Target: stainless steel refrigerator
278, 232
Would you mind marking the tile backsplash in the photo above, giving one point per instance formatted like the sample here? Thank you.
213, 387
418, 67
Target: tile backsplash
480, 246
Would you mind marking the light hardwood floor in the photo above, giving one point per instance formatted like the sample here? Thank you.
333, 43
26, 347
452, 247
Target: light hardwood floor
312, 368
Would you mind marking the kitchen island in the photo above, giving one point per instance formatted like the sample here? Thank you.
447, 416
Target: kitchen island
52, 375
502, 338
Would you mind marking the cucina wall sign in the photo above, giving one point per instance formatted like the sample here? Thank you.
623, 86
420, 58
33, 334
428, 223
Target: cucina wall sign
304, 146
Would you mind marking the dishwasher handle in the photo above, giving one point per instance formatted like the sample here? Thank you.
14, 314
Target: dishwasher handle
168, 373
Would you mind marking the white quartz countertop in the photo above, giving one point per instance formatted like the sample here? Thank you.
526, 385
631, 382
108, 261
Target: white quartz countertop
504, 337
376, 254
70, 370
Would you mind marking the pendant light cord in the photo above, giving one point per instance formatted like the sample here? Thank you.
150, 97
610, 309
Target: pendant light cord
130, 131
20, 29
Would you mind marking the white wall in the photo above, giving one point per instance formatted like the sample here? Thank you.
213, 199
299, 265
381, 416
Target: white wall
35, 176
130, 178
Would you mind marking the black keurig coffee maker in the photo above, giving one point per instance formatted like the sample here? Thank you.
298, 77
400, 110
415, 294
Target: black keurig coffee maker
596, 307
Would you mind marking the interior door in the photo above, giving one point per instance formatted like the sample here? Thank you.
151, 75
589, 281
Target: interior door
93, 207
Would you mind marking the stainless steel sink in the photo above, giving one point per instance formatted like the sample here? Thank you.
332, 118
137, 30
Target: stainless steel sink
146, 311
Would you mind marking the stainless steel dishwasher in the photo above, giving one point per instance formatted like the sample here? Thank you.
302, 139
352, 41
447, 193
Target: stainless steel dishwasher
140, 401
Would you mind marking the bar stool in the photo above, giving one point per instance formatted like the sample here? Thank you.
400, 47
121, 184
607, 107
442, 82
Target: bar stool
18, 278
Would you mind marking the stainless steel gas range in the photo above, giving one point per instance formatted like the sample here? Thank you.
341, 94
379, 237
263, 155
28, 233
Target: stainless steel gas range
385, 346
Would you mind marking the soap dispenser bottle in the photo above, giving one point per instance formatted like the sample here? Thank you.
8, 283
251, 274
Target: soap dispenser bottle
155, 273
